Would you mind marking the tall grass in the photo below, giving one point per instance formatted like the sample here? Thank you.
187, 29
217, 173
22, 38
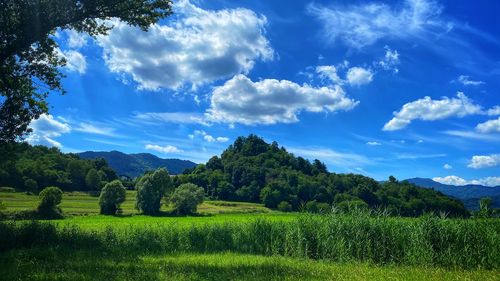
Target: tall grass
427, 240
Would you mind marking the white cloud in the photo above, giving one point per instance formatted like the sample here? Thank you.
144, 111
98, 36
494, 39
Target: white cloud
455, 180
196, 47
465, 79
76, 39
484, 161
494, 111
168, 149
170, 117
75, 61
45, 129
471, 135
362, 25
447, 166
208, 137
271, 101
332, 157
373, 143
428, 109
390, 60
489, 126
93, 129
359, 76
329, 72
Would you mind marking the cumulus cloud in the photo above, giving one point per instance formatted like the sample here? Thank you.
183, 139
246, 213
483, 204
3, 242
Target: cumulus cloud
373, 143
197, 46
359, 76
494, 111
167, 149
76, 39
484, 161
465, 79
329, 72
75, 61
208, 137
364, 24
45, 129
447, 166
271, 101
455, 180
428, 109
390, 60
489, 126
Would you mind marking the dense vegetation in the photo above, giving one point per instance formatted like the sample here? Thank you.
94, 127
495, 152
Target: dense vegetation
35, 167
255, 171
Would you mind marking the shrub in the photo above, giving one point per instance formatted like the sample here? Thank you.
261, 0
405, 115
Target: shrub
50, 198
285, 206
112, 195
2, 206
317, 207
31, 185
187, 197
150, 190
7, 189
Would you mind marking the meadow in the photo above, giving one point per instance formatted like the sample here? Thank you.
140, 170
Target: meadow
242, 241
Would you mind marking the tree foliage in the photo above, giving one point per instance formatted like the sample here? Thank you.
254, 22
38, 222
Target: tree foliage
50, 198
29, 56
29, 167
150, 190
252, 170
112, 195
186, 198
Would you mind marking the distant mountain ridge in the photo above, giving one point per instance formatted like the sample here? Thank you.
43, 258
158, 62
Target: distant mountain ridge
469, 194
133, 165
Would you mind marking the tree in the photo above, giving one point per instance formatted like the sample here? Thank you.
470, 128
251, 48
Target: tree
50, 198
186, 198
112, 195
150, 190
30, 58
31, 185
92, 180
285, 206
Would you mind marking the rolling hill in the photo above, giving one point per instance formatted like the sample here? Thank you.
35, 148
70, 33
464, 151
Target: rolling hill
133, 165
469, 194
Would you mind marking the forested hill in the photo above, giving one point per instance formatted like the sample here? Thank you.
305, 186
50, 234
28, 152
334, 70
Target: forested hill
252, 170
134, 165
33, 168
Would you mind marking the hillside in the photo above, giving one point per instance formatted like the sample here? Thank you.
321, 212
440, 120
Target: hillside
469, 194
134, 165
252, 170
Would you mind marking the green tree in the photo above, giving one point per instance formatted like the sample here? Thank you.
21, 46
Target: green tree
31, 185
92, 180
112, 195
285, 206
50, 198
29, 56
150, 190
186, 198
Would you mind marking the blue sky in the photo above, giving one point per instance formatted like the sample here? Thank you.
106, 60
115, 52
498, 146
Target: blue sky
404, 88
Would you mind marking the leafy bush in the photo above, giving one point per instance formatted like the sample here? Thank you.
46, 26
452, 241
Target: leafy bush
285, 206
7, 189
187, 197
112, 195
50, 198
150, 190
317, 207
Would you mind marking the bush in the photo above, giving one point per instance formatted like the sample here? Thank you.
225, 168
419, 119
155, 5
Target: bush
50, 198
187, 197
317, 207
112, 195
150, 190
285, 206
31, 185
7, 189
2, 206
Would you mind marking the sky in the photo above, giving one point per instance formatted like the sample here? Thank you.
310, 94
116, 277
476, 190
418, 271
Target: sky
405, 88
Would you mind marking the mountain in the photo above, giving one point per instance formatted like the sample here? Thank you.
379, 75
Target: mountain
469, 194
133, 165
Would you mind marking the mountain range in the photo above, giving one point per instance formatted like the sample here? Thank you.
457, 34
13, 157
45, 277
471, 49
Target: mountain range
469, 194
133, 165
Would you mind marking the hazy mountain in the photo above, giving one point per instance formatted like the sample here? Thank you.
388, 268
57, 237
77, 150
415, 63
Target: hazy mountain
134, 165
469, 194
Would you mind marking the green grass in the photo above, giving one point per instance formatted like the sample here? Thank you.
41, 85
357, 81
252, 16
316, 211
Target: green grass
68, 264
80, 203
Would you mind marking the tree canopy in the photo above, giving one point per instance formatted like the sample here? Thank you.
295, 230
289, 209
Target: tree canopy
30, 57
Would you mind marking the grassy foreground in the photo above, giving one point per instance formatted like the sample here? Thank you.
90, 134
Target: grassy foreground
67, 264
